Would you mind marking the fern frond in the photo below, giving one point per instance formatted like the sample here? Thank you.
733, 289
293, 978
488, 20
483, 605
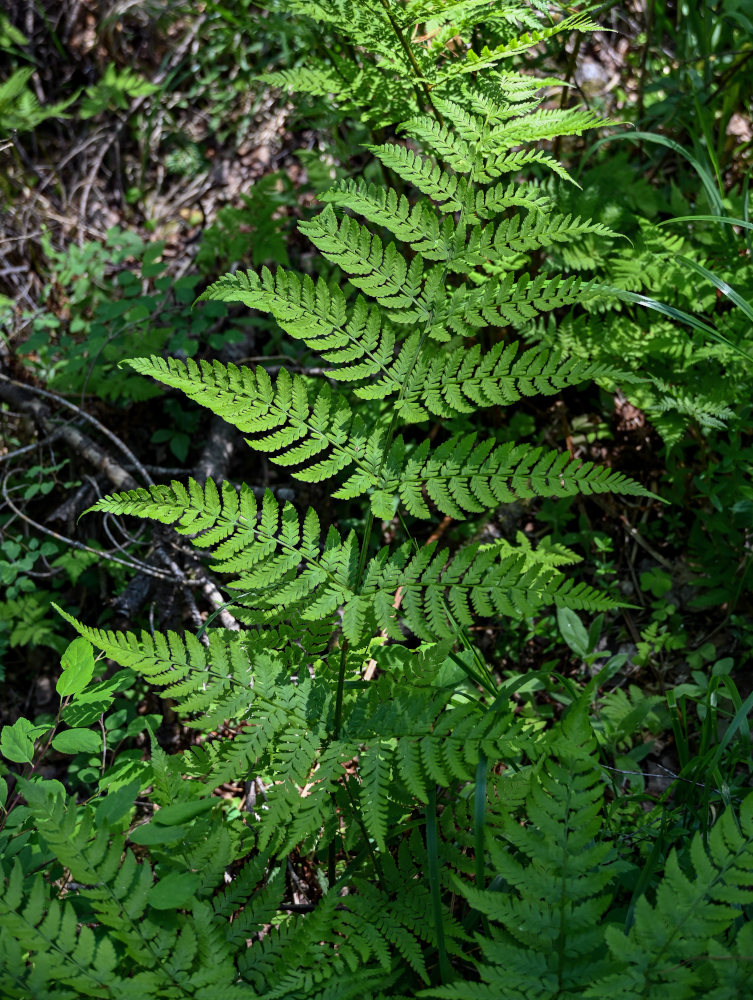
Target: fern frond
56, 948
486, 58
376, 777
463, 476
512, 162
416, 225
264, 555
535, 231
446, 189
446, 143
291, 429
494, 200
505, 94
212, 683
547, 937
381, 272
363, 23
544, 124
318, 82
514, 302
442, 594
693, 904
357, 338
501, 247
449, 381
416, 11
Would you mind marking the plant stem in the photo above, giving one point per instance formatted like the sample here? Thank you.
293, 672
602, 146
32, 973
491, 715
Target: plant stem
340, 689
644, 60
407, 49
563, 96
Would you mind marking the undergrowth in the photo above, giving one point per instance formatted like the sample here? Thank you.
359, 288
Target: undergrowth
374, 796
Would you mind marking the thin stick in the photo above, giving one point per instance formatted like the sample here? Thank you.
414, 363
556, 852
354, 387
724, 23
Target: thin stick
74, 544
84, 416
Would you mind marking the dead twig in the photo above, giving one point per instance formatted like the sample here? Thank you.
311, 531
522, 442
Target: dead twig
75, 438
72, 542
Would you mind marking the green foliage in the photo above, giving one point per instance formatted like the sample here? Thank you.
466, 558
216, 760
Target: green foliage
116, 88
453, 845
687, 255
20, 110
77, 344
555, 930
254, 232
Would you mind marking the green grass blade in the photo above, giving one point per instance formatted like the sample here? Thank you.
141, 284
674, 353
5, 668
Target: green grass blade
712, 192
676, 314
432, 852
479, 818
727, 219
739, 724
721, 284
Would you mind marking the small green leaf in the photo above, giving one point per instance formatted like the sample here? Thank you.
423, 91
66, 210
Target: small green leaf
95, 700
573, 631
78, 741
182, 812
117, 804
78, 667
11, 549
179, 445
17, 741
174, 891
384, 505
151, 834
127, 767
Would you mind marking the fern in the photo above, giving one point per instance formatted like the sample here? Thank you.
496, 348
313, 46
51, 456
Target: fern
551, 901
552, 875
393, 763
20, 109
692, 907
463, 477
401, 337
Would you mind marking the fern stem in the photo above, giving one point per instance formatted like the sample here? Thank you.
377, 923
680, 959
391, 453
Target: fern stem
332, 854
564, 95
339, 695
406, 47
484, 679
432, 853
369, 525
340, 690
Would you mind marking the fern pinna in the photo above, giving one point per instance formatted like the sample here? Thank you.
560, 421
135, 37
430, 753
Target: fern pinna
384, 748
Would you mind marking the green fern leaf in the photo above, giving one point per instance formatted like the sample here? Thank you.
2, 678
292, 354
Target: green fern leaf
548, 939
692, 907
446, 189
463, 477
380, 271
441, 595
474, 63
416, 225
280, 414
376, 777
